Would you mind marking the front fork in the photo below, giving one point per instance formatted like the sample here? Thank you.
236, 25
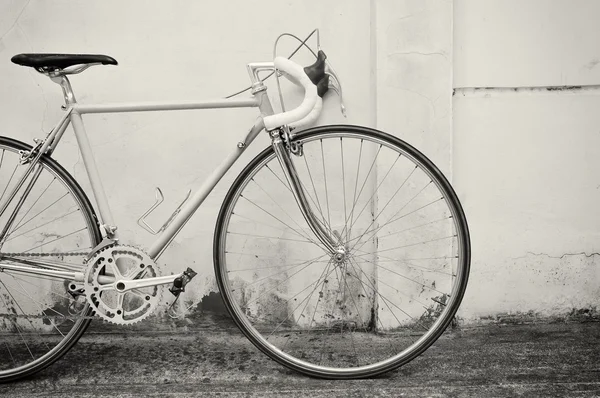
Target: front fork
280, 146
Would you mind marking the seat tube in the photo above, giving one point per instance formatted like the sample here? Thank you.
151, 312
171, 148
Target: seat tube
93, 175
88, 159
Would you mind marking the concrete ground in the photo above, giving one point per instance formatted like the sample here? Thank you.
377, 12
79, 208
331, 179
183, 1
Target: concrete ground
214, 359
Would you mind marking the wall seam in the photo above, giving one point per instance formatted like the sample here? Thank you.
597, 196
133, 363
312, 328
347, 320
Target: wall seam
482, 91
373, 62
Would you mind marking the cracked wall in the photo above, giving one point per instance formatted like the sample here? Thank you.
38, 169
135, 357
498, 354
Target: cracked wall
525, 136
522, 158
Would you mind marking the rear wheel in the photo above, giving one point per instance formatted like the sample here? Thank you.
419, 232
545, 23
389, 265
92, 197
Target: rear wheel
41, 317
384, 301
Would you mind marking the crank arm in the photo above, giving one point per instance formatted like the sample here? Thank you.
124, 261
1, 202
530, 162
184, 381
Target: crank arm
126, 285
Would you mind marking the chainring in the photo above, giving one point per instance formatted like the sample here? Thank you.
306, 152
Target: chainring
120, 262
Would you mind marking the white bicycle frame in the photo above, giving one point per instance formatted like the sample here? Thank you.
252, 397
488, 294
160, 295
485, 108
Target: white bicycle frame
73, 116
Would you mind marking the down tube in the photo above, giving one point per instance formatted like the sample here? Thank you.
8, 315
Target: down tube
188, 210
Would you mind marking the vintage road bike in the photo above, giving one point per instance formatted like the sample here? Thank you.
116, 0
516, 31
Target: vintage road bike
340, 251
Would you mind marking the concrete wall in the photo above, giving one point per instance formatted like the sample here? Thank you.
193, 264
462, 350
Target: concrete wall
521, 158
524, 154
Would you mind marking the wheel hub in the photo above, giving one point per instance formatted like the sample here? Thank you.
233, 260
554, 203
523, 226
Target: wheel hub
340, 255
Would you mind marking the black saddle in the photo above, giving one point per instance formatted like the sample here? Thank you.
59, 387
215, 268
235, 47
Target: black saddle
53, 62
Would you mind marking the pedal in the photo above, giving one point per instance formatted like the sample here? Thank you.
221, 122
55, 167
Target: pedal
178, 287
180, 282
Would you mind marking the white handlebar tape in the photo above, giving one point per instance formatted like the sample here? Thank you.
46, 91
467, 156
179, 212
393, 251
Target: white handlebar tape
312, 116
298, 76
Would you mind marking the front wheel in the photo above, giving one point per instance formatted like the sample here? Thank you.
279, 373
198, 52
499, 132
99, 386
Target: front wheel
384, 301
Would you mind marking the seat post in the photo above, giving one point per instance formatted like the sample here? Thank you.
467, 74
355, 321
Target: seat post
64, 83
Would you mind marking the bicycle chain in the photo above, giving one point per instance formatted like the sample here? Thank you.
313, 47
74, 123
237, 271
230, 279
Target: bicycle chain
44, 254
71, 318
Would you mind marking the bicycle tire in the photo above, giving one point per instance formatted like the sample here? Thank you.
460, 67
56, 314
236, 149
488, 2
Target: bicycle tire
26, 357
289, 343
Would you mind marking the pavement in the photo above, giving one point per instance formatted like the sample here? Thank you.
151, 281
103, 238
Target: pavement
213, 359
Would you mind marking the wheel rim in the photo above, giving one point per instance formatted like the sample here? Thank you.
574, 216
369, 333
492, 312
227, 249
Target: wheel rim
254, 290
39, 319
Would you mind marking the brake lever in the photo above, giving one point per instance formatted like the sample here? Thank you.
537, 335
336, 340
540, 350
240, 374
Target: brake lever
335, 85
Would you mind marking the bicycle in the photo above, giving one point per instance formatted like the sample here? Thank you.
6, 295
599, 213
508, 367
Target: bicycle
340, 251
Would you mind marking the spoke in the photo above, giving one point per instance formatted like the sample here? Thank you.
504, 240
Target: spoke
332, 310
303, 188
282, 209
390, 286
279, 273
49, 206
352, 220
57, 239
38, 286
38, 304
326, 189
382, 299
14, 321
375, 219
278, 266
392, 303
343, 184
374, 193
304, 236
269, 258
420, 258
411, 244
391, 260
304, 301
266, 225
412, 228
355, 188
269, 237
312, 182
405, 277
405, 261
312, 319
288, 278
9, 181
327, 272
18, 225
366, 295
359, 316
386, 205
39, 226
8, 348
